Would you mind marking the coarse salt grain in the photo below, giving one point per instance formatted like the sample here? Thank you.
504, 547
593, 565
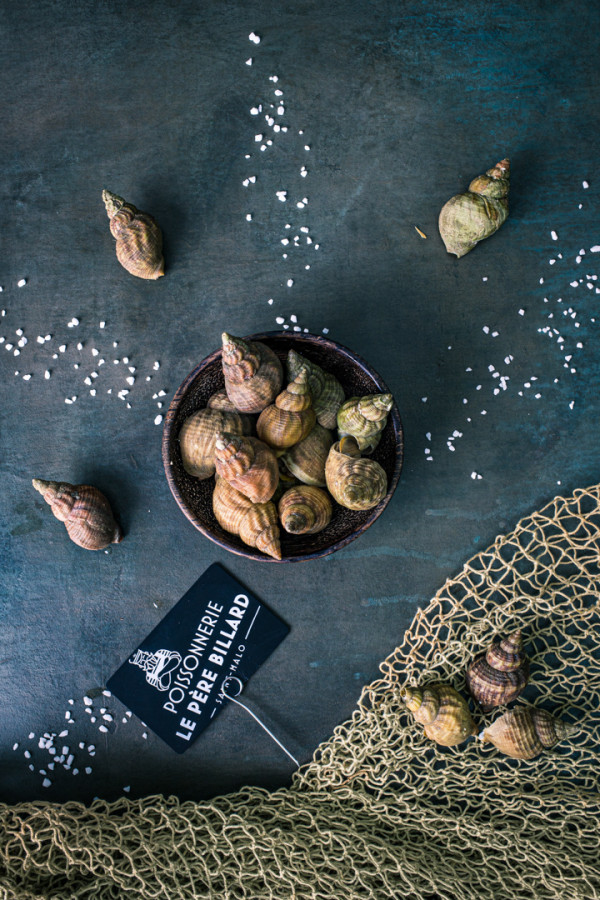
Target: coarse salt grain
22, 282
46, 783
158, 420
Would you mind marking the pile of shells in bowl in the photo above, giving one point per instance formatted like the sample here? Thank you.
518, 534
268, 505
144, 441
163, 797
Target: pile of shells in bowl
283, 445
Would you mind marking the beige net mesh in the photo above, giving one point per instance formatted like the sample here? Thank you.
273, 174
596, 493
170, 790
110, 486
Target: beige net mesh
381, 812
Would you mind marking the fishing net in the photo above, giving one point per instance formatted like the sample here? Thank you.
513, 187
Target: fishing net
381, 812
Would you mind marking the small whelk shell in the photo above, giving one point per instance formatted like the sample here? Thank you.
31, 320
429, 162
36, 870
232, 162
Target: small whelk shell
468, 218
364, 418
353, 481
255, 524
442, 711
252, 371
304, 510
84, 510
138, 237
248, 465
525, 732
291, 418
499, 675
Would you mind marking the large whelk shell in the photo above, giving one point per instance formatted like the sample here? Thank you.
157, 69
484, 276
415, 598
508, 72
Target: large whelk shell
291, 418
252, 371
352, 481
138, 237
306, 459
442, 711
255, 523
198, 436
364, 418
85, 511
327, 393
499, 675
248, 465
468, 218
305, 509
525, 732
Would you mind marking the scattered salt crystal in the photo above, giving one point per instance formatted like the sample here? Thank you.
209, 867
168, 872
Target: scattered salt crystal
156, 366
554, 235
22, 282
40, 339
486, 329
326, 331
300, 205
127, 788
158, 420
46, 783
62, 348
270, 301
280, 320
306, 147
584, 185
103, 728
521, 312
281, 195
248, 217
285, 241
258, 137
9, 346
88, 770
130, 380
26, 377
249, 61
145, 736
290, 282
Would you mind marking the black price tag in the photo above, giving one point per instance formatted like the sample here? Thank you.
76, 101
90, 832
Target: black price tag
173, 681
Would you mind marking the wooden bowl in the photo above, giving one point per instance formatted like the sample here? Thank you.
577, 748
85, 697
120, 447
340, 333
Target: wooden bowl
194, 497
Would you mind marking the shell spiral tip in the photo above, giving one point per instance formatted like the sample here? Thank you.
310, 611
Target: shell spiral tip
112, 202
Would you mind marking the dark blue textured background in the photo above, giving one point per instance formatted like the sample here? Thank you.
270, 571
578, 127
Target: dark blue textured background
401, 103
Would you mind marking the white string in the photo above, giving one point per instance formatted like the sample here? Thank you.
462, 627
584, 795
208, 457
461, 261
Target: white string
255, 717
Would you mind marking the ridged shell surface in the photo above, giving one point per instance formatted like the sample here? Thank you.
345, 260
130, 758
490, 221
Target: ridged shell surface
473, 216
84, 510
525, 732
291, 418
248, 465
364, 418
353, 481
442, 711
252, 372
138, 237
498, 676
198, 436
327, 393
306, 459
305, 509
256, 524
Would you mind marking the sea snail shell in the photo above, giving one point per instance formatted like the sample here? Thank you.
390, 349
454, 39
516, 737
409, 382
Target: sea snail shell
252, 372
442, 711
499, 675
138, 237
248, 465
306, 459
364, 418
256, 524
352, 481
85, 511
525, 732
198, 436
327, 393
291, 418
305, 509
468, 218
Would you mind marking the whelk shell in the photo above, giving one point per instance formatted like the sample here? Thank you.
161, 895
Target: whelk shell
442, 711
352, 480
291, 418
252, 371
248, 465
138, 237
306, 459
499, 675
364, 418
84, 510
327, 393
525, 732
468, 218
256, 524
305, 509
198, 435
